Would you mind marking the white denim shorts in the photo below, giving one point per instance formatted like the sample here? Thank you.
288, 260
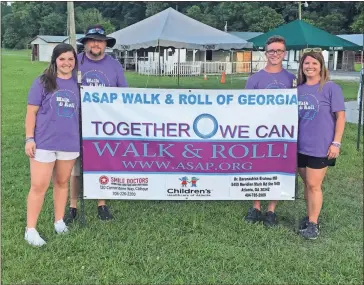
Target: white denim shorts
43, 155
76, 168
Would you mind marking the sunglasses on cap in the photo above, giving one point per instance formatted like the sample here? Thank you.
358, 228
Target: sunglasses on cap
96, 31
312, 50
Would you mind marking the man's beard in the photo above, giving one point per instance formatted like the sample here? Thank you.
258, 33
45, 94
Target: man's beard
95, 54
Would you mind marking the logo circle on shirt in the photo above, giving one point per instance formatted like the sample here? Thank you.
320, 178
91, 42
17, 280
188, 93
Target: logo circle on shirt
95, 78
308, 106
64, 101
275, 84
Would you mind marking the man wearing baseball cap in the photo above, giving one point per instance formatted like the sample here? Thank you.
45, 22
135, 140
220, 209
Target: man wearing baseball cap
98, 69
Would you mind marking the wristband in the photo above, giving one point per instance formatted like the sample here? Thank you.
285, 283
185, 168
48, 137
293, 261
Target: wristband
336, 144
29, 139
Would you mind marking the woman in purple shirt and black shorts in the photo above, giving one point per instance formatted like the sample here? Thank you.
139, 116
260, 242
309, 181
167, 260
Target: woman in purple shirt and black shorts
320, 130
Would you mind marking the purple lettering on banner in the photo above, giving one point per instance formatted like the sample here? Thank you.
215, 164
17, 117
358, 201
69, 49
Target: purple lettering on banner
189, 156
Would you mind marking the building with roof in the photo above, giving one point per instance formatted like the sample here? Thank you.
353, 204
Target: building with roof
43, 45
356, 39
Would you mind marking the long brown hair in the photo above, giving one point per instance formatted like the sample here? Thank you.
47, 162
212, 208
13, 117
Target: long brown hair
324, 73
49, 76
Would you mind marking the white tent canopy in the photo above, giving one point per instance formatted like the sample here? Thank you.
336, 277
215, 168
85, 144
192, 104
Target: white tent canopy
170, 28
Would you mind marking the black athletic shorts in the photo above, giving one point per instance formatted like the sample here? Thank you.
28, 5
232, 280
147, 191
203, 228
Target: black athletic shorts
304, 160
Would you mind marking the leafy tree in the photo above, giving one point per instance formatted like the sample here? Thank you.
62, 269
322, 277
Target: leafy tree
264, 19
195, 13
24, 20
54, 24
153, 8
358, 25
332, 23
88, 17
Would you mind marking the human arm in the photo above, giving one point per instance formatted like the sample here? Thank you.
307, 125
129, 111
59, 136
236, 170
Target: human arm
334, 149
30, 119
338, 109
34, 101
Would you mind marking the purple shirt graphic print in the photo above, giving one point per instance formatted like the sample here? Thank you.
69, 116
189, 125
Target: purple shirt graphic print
65, 103
57, 122
308, 106
266, 80
317, 120
106, 72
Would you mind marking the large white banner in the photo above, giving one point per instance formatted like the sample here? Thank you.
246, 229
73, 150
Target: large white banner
163, 144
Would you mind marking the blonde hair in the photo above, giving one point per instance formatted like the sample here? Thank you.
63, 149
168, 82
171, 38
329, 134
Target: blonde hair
324, 73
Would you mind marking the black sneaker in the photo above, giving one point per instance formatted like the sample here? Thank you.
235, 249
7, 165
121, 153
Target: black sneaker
311, 232
270, 219
71, 216
254, 216
104, 213
303, 224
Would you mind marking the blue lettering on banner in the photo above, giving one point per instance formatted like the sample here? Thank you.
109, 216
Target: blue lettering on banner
137, 98
252, 99
192, 99
95, 97
197, 131
126, 98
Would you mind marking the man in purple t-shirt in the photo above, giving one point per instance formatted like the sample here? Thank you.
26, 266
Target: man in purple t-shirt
273, 76
97, 69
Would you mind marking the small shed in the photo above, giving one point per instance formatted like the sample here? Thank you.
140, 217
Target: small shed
357, 56
43, 45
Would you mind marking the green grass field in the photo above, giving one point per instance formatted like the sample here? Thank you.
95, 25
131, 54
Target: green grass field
357, 66
171, 242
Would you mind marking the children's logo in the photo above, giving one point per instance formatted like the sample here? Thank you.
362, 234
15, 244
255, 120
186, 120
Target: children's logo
95, 78
308, 106
184, 181
65, 103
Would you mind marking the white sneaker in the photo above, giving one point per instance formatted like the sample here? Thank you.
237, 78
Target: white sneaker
60, 227
33, 238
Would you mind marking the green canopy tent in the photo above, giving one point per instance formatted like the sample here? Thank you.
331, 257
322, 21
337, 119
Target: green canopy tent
299, 35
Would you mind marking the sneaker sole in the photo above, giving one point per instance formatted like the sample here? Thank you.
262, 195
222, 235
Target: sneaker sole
252, 221
311, 238
302, 230
270, 226
108, 219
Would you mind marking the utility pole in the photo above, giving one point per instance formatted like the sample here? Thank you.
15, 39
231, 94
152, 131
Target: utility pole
71, 24
299, 10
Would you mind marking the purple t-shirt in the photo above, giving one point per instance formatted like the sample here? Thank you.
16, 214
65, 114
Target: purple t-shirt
106, 72
266, 80
57, 122
316, 125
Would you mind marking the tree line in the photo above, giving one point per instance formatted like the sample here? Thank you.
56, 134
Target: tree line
22, 21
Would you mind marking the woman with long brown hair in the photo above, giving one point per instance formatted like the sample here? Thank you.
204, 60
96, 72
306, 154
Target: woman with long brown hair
52, 137
321, 127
